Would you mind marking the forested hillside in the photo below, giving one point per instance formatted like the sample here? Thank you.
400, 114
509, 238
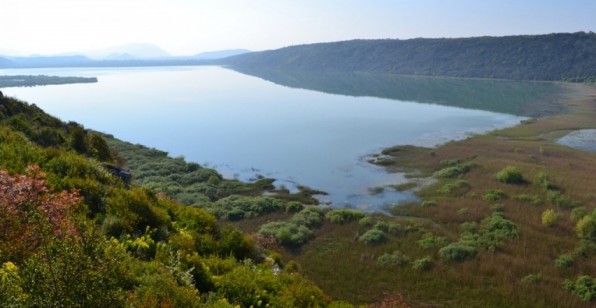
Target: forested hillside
564, 56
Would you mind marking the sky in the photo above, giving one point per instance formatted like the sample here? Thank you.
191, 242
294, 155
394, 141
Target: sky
187, 27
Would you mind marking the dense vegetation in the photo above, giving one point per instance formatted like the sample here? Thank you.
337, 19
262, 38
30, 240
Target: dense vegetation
39, 80
563, 56
73, 234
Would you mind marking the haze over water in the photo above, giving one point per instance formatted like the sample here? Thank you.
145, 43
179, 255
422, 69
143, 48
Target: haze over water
244, 126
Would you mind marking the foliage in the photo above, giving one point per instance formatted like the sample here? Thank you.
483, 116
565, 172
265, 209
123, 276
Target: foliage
559, 199
532, 199
586, 227
584, 287
549, 217
493, 195
239, 207
564, 261
457, 252
510, 175
533, 57
373, 236
310, 216
578, 213
287, 233
532, 279
423, 264
454, 170
393, 259
428, 240
340, 216
458, 187
30, 215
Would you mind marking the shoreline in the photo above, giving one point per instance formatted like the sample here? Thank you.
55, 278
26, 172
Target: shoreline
579, 103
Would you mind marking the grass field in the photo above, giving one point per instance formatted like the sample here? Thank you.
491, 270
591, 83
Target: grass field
520, 271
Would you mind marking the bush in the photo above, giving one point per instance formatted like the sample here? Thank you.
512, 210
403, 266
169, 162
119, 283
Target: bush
423, 264
457, 252
542, 179
493, 195
428, 240
373, 236
510, 175
458, 187
586, 227
549, 218
341, 216
532, 199
561, 200
578, 213
454, 170
294, 206
393, 259
584, 287
366, 221
310, 217
428, 203
564, 261
532, 279
286, 233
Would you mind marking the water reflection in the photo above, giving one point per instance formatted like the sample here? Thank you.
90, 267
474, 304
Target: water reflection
522, 98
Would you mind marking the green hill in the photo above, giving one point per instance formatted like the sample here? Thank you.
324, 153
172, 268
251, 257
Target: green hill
75, 232
562, 56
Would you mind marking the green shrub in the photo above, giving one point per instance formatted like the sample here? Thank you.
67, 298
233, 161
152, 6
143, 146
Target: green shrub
510, 175
549, 218
340, 216
454, 170
532, 199
543, 180
586, 227
287, 233
469, 226
578, 213
532, 279
497, 207
564, 261
428, 240
373, 236
366, 221
584, 287
294, 206
428, 203
237, 207
310, 216
423, 264
457, 252
493, 195
381, 225
393, 259
458, 187
562, 201
494, 230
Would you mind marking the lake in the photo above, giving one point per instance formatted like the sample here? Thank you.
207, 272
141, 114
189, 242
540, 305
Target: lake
283, 126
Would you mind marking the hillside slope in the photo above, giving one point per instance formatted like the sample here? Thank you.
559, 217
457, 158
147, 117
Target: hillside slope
564, 56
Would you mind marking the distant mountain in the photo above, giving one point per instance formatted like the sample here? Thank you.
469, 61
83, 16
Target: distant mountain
563, 56
212, 55
49, 61
6, 63
131, 51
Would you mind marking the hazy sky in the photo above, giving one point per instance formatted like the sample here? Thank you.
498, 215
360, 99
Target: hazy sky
184, 27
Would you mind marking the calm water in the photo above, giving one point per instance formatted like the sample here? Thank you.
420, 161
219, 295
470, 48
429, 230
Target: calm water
246, 126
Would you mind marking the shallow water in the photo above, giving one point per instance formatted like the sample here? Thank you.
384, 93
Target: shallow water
584, 139
244, 126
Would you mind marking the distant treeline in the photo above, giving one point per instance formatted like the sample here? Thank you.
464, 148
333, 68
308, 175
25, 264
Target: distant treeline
563, 56
82, 61
40, 80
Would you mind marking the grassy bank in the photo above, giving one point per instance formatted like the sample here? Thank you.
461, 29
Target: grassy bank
504, 253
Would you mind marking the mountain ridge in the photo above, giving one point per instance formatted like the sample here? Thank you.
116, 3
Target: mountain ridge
558, 56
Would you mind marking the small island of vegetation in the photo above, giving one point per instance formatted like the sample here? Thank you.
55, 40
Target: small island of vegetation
8, 81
